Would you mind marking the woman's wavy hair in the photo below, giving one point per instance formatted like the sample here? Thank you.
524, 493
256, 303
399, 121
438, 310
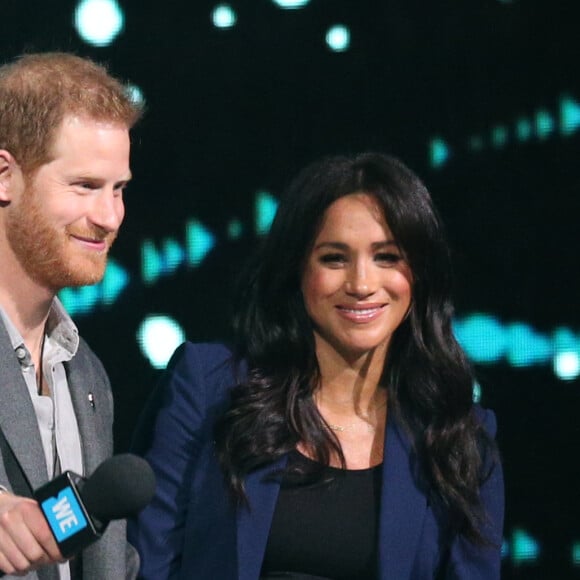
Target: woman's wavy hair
428, 379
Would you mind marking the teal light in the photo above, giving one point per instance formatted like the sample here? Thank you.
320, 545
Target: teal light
291, 4
569, 116
525, 548
156, 263
544, 124
235, 229
85, 299
499, 136
526, 347
476, 392
567, 354
438, 152
264, 211
223, 16
338, 38
135, 94
114, 282
99, 22
158, 336
524, 129
576, 553
482, 337
198, 241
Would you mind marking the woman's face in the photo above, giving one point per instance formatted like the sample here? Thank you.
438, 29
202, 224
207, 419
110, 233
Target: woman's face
356, 283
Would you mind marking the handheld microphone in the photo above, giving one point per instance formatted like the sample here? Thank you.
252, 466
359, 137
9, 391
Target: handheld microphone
78, 510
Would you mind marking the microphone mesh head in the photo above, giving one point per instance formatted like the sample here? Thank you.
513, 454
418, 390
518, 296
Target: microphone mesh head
120, 487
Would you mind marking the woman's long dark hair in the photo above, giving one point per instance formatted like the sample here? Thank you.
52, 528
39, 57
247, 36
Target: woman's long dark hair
428, 379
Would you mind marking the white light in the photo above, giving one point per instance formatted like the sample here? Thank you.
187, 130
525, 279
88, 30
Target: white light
98, 22
223, 16
567, 365
338, 38
159, 336
291, 4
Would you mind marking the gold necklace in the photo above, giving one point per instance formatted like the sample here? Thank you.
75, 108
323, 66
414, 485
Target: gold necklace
353, 427
365, 426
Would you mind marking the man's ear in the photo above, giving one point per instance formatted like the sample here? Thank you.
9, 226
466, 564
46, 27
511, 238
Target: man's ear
9, 172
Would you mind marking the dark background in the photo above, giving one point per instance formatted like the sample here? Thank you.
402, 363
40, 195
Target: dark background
237, 111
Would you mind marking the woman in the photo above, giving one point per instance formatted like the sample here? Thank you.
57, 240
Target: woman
346, 444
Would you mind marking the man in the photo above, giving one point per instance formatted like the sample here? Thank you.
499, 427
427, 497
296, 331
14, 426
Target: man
64, 162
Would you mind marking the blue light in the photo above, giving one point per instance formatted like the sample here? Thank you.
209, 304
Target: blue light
438, 152
576, 553
525, 346
235, 229
265, 210
99, 22
567, 351
544, 124
135, 94
198, 242
156, 263
499, 136
158, 336
338, 38
476, 392
482, 337
523, 129
525, 548
85, 299
223, 16
291, 4
569, 116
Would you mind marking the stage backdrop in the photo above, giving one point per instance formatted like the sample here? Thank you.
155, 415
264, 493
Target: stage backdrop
481, 98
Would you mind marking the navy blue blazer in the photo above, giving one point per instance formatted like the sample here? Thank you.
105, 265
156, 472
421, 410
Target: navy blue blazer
192, 530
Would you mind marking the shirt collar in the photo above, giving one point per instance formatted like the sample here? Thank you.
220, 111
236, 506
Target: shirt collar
59, 328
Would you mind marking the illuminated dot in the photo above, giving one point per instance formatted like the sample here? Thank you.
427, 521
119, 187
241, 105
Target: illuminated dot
476, 392
199, 242
438, 152
338, 38
223, 16
235, 229
158, 336
525, 548
569, 116
523, 129
499, 136
135, 94
265, 210
98, 22
291, 4
576, 553
567, 365
544, 124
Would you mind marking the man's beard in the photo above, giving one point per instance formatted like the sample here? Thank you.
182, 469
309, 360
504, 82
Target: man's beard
47, 253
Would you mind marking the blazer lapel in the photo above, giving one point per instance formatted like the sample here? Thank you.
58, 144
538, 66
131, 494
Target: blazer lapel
254, 520
17, 416
403, 507
90, 412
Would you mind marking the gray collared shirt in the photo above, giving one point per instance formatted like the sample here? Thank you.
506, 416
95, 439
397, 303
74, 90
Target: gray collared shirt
55, 414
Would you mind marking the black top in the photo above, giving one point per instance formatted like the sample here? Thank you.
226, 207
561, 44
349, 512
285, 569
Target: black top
326, 531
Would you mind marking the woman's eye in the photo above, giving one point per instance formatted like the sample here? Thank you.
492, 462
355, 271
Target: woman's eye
333, 259
388, 257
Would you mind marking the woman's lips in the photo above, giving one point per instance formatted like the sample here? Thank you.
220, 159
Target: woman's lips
361, 314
